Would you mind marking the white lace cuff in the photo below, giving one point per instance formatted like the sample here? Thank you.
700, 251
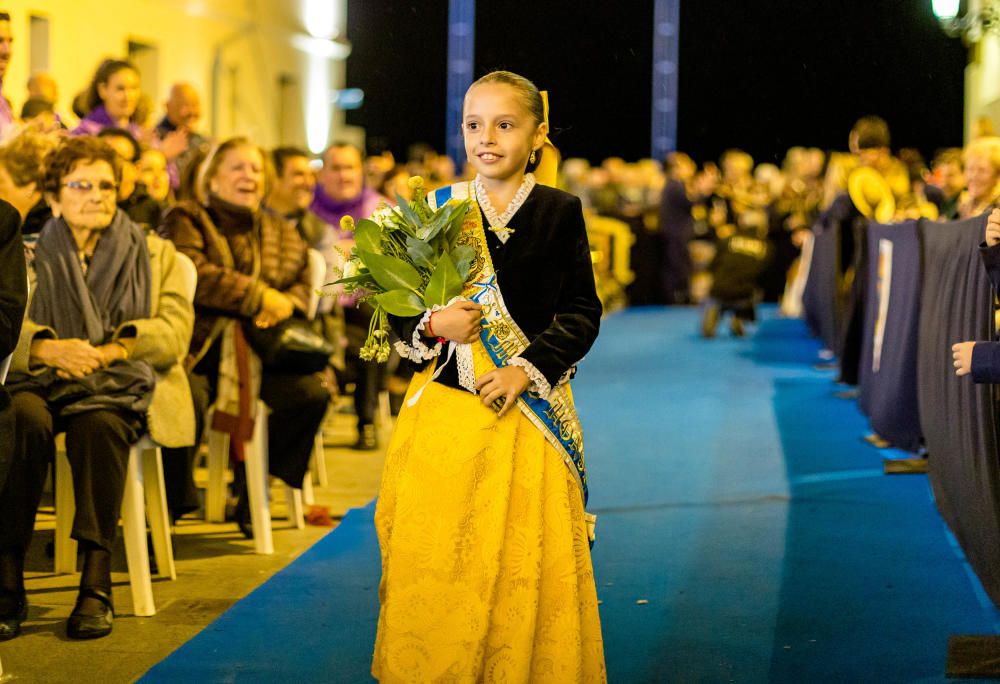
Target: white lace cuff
416, 350
539, 384
566, 376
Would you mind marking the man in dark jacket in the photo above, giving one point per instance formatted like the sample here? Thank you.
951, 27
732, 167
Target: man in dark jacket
13, 299
738, 263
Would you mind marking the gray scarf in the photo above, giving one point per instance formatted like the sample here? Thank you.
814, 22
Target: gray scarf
115, 290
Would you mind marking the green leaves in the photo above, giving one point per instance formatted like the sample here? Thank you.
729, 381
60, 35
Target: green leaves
455, 221
411, 216
368, 236
401, 303
360, 278
445, 283
421, 253
463, 256
391, 273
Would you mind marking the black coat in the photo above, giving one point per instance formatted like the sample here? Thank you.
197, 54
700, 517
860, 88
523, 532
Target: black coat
546, 277
13, 299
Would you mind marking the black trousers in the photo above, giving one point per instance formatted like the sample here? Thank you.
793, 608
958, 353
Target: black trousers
178, 464
298, 403
97, 445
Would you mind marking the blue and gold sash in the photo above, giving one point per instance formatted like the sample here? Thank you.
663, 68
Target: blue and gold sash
502, 339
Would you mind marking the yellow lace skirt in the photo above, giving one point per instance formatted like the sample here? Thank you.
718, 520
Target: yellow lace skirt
486, 570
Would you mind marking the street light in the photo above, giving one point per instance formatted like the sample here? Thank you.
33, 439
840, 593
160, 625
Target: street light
983, 18
945, 10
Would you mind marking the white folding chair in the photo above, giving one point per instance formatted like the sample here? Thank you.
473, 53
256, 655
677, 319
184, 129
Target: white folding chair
145, 496
318, 273
255, 462
256, 456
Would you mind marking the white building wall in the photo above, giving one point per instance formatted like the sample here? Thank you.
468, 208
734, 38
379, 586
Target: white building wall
982, 78
249, 59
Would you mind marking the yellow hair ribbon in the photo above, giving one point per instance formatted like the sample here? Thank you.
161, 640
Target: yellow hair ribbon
547, 171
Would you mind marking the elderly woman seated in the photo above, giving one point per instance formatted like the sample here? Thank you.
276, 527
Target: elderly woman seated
99, 358
252, 273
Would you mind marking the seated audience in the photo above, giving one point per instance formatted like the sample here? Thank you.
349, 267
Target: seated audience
40, 116
43, 86
982, 177
111, 100
179, 141
290, 197
252, 271
20, 179
341, 191
13, 295
99, 358
154, 176
133, 196
946, 182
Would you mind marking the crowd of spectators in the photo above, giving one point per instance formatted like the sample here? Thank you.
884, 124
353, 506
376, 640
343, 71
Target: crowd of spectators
112, 348
728, 234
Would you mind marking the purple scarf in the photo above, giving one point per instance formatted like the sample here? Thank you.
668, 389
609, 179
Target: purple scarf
331, 210
99, 119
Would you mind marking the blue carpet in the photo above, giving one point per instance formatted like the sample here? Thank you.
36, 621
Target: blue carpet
320, 615
745, 534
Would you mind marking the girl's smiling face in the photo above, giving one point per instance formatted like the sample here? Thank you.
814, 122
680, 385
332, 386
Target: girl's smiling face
499, 131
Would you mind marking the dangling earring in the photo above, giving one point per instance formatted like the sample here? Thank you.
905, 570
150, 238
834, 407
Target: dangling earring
531, 159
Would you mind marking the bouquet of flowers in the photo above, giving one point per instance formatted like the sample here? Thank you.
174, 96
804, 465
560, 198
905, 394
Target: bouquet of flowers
405, 260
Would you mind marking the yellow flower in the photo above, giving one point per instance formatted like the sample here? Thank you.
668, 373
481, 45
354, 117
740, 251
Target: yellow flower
347, 223
416, 183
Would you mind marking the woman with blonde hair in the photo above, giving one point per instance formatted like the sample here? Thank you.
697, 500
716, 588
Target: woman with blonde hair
982, 176
252, 271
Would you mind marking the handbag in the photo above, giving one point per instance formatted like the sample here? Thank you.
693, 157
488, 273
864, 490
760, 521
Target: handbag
292, 346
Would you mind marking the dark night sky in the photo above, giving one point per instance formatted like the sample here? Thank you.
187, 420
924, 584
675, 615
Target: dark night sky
758, 75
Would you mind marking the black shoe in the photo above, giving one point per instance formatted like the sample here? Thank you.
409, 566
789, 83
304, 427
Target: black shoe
710, 321
80, 626
367, 438
15, 611
736, 327
242, 513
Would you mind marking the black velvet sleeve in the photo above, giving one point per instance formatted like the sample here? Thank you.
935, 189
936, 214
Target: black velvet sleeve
13, 279
986, 362
991, 260
578, 310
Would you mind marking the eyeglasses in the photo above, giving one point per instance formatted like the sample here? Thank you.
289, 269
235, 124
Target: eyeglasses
85, 187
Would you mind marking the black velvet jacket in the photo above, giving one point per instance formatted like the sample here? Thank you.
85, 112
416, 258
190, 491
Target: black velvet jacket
547, 280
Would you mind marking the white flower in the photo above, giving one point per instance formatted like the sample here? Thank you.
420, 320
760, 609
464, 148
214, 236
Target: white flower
383, 215
350, 269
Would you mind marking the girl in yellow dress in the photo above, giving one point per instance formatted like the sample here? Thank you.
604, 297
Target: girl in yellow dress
486, 568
